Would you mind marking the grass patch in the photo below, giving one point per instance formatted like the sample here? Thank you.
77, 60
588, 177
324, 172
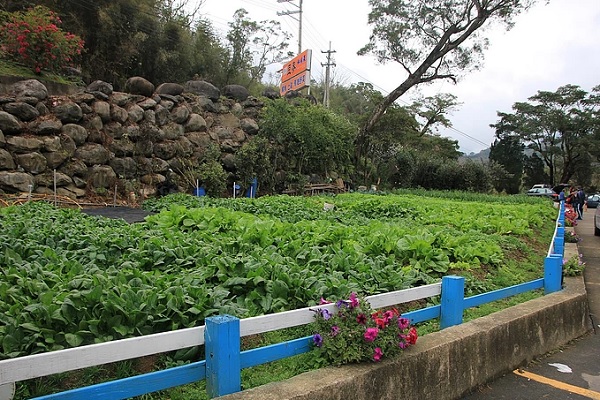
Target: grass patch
9, 68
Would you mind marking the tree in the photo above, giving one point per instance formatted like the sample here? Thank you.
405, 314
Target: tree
244, 34
239, 37
431, 111
557, 126
209, 54
156, 39
270, 41
431, 39
507, 151
533, 168
435, 146
180, 11
306, 139
374, 151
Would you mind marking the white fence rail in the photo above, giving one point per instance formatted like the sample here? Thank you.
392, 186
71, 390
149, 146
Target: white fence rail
34, 366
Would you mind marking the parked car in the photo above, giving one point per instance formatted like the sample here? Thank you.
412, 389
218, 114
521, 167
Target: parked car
546, 192
593, 200
540, 186
597, 222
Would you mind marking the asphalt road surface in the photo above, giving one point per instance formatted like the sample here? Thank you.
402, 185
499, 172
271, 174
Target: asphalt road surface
569, 373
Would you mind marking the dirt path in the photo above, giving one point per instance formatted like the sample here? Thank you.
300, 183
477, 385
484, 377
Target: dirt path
128, 214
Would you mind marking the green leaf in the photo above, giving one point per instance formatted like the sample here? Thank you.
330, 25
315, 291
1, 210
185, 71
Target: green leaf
73, 340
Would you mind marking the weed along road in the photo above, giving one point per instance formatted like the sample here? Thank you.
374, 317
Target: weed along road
572, 372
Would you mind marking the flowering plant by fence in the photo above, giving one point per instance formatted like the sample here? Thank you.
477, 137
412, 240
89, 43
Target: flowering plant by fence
573, 266
353, 332
571, 237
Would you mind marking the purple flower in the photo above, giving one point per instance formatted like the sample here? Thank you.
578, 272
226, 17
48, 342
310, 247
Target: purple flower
403, 323
335, 330
341, 304
317, 340
325, 314
371, 334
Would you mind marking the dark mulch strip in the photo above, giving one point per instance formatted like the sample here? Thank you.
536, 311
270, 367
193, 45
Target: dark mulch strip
130, 215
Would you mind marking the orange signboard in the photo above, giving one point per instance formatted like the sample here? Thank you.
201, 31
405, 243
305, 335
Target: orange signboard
297, 82
295, 74
298, 64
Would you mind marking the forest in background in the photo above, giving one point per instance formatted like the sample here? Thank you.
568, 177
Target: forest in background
171, 41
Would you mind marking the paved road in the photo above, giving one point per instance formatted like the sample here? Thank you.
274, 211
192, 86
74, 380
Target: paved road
539, 380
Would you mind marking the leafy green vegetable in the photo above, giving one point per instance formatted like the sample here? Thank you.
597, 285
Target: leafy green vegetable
68, 279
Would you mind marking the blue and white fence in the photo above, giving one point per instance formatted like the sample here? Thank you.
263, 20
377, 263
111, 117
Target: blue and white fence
221, 337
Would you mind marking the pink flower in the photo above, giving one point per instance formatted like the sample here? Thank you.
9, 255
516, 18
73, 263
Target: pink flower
353, 300
378, 354
403, 323
323, 301
371, 334
388, 316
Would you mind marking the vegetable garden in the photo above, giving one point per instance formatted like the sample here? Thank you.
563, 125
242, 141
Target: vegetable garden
69, 279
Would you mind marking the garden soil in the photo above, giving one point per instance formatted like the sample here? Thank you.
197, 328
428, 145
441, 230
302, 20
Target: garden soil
130, 215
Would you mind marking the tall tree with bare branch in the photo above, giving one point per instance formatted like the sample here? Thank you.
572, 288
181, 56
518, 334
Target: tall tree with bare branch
432, 39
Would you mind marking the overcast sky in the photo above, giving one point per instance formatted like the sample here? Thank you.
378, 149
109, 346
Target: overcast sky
550, 46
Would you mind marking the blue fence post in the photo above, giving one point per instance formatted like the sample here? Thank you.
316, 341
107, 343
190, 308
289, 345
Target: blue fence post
559, 245
552, 273
561, 214
453, 296
222, 349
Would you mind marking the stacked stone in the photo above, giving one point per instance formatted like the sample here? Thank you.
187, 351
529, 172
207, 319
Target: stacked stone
97, 137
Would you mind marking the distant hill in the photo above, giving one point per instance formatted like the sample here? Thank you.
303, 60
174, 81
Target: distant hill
483, 155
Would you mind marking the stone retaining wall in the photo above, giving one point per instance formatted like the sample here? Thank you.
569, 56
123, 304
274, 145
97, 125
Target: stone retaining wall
97, 138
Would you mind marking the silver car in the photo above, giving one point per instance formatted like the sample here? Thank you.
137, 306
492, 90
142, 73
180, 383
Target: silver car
593, 200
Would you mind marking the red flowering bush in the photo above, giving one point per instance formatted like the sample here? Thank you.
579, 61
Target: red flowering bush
353, 332
33, 38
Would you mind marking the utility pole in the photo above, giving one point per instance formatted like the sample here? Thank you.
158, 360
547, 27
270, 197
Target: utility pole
328, 64
299, 19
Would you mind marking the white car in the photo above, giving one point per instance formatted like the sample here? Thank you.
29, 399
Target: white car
540, 186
